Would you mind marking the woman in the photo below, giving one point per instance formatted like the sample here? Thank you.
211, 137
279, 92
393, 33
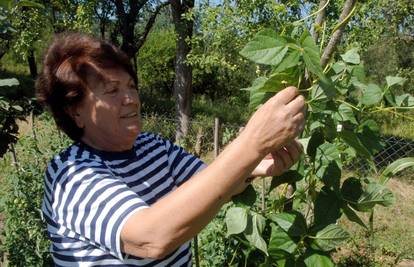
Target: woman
121, 197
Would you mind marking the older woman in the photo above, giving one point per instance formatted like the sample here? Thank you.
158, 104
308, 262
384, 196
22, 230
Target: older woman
118, 196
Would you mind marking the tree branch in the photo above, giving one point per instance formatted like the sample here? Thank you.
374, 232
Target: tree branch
319, 19
336, 36
141, 39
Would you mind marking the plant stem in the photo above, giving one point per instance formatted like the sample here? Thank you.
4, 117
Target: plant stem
348, 104
313, 14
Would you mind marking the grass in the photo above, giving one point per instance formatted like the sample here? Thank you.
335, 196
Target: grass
393, 233
394, 227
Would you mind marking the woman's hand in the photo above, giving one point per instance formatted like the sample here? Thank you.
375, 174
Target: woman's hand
279, 161
275, 124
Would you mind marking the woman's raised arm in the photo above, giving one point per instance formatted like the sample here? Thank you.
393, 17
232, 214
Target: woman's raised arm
160, 229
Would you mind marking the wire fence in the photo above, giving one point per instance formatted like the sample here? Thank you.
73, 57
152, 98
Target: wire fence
207, 138
394, 148
201, 140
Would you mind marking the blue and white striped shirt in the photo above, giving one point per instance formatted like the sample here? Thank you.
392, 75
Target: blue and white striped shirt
90, 194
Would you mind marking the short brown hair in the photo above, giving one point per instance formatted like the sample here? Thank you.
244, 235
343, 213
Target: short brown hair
63, 81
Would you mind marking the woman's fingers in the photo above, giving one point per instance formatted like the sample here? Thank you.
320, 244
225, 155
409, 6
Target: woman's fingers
285, 157
297, 104
294, 149
286, 95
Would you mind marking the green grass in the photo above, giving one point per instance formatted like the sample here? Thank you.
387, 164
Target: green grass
394, 227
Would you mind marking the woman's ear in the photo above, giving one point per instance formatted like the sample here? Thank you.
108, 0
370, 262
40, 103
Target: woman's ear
73, 112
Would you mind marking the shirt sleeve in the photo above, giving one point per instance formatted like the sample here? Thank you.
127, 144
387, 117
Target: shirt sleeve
91, 204
183, 165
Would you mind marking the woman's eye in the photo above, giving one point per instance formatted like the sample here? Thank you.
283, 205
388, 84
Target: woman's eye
112, 91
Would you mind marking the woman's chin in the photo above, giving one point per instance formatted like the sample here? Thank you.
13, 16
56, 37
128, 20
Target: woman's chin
133, 131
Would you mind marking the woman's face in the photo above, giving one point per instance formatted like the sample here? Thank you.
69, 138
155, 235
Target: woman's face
110, 112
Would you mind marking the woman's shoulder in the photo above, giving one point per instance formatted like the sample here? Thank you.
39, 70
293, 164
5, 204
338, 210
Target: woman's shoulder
149, 137
74, 155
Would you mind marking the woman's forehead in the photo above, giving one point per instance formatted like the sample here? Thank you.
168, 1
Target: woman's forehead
108, 78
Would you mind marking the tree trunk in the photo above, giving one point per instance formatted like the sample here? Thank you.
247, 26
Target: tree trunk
320, 18
183, 71
32, 64
336, 36
102, 27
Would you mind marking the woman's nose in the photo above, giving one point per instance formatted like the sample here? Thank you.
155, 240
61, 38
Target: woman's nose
130, 97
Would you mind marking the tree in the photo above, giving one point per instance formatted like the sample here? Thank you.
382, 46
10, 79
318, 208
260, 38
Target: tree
128, 15
183, 71
28, 22
104, 10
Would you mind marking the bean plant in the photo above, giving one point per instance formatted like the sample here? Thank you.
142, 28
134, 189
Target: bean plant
298, 225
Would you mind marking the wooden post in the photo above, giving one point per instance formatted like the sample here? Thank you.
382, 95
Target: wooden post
33, 126
216, 136
263, 193
197, 260
14, 157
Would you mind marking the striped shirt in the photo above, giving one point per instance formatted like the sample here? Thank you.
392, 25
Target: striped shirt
90, 194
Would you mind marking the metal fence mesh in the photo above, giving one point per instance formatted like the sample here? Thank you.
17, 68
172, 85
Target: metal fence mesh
201, 140
394, 148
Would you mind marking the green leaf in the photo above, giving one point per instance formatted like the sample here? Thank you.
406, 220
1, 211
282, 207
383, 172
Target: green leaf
291, 60
288, 177
395, 80
257, 98
327, 208
236, 220
304, 142
18, 108
256, 85
394, 168
287, 262
246, 198
345, 113
279, 81
253, 232
390, 97
9, 82
359, 73
291, 222
351, 190
25, 3
352, 216
280, 242
332, 176
315, 141
265, 48
374, 194
309, 43
368, 133
329, 238
358, 84
405, 100
339, 67
312, 59
312, 62
351, 56
325, 154
6, 3
371, 95
353, 140
316, 259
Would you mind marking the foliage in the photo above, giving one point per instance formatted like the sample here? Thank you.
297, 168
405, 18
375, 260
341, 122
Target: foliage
156, 62
29, 23
9, 112
336, 132
25, 240
220, 33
